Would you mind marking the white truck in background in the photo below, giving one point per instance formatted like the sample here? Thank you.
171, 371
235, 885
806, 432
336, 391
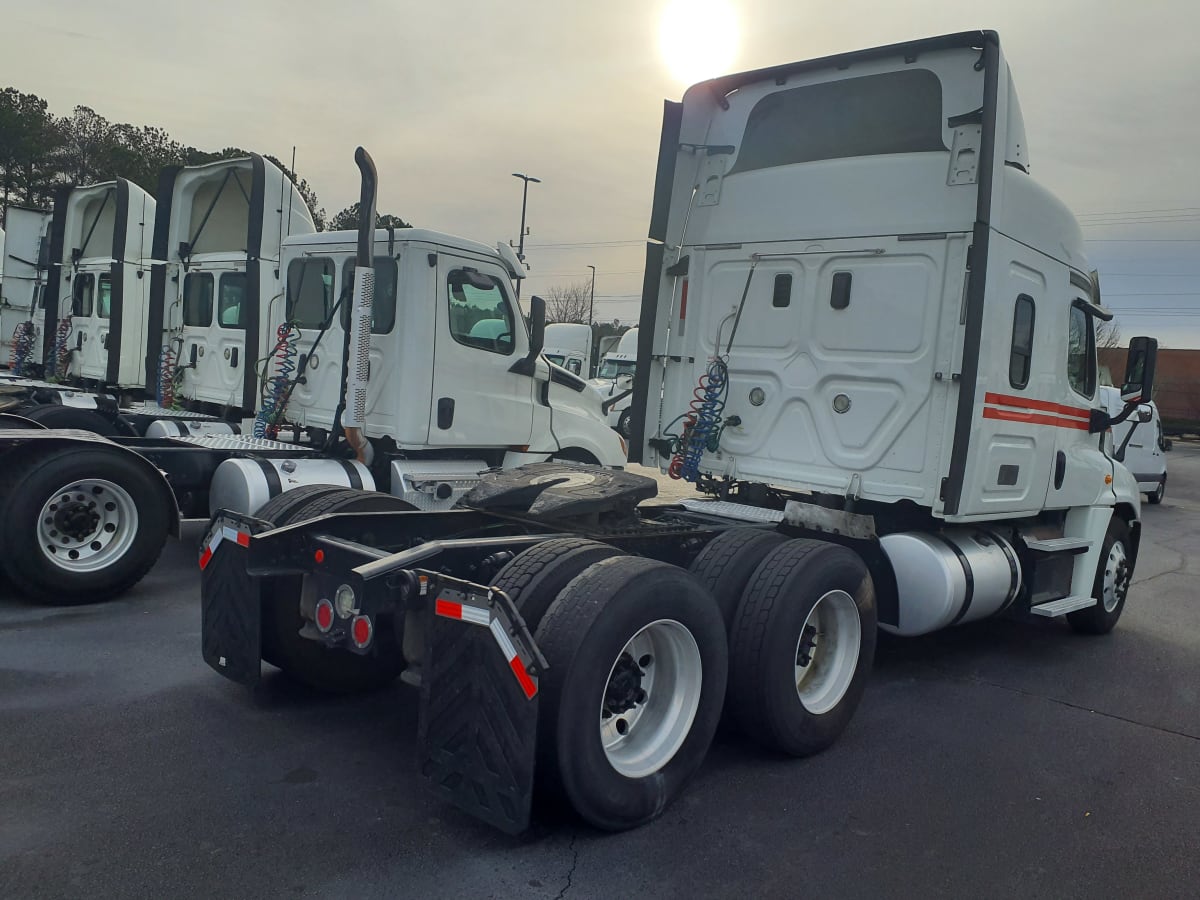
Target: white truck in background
437, 381
614, 380
569, 346
1140, 445
26, 265
830, 241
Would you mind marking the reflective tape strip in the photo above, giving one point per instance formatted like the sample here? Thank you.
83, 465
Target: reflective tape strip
514, 661
506, 646
225, 533
461, 611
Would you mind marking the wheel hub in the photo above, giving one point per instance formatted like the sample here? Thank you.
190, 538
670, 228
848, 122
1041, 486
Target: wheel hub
624, 690
87, 525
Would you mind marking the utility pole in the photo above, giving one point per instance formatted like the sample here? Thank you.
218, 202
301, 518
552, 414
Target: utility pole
592, 300
524, 201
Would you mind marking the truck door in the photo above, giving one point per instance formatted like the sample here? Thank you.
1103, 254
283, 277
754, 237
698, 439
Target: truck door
198, 290
1080, 468
90, 306
229, 335
478, 335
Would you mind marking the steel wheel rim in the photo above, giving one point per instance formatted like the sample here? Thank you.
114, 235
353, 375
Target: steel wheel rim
827, 652
1116, 577
664, 693
86, 525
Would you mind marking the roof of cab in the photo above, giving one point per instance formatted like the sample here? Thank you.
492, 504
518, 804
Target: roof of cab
400, 235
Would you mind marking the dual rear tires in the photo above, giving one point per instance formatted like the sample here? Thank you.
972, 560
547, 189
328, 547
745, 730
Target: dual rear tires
644, 657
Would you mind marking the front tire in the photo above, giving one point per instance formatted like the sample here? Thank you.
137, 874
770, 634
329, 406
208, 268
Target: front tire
1111, 586
631, 700
625, 424
1157, 496
80, 524
802, 646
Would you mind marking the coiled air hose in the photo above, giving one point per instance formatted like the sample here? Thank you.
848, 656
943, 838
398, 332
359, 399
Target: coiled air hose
24, 338
274, 403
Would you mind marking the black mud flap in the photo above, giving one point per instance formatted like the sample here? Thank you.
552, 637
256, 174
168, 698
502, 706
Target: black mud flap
230, 611
479, 704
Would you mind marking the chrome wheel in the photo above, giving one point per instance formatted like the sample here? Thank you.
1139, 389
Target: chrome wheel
650, 698
86, 525
827, 652
1116, 577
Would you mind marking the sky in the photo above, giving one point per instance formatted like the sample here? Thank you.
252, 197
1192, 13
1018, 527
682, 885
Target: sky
452, 97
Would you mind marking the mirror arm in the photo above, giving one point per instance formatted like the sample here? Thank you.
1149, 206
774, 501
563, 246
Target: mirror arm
1119, 453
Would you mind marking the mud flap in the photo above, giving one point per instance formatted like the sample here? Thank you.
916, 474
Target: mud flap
230, 611
478, 713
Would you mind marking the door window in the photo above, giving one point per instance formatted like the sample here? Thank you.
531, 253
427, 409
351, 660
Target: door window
383, 306
310, 291
1081, 353
198, 299
82, 298
104, 297
480, 315
1021, 355
231, 307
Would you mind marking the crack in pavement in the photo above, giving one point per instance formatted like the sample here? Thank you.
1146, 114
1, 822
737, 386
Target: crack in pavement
967, 679
571, 871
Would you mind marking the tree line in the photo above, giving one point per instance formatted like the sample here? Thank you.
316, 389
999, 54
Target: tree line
40, 151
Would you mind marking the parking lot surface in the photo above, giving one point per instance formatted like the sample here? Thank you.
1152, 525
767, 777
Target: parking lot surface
1006, 758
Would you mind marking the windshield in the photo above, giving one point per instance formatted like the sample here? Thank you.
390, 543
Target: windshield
613, 368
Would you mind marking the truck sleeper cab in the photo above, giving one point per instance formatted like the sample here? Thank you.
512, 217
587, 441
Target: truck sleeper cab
843, 230
26, 267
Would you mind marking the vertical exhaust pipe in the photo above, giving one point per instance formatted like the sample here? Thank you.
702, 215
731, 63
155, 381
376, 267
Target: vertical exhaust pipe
359, 344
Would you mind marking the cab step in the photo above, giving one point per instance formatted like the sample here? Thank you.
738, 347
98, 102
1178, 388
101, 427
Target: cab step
1062, 606
1066, 545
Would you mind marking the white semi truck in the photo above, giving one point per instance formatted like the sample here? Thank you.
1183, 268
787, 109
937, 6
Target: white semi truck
846, 231
458, 387
614, 380
569, 345
26, 268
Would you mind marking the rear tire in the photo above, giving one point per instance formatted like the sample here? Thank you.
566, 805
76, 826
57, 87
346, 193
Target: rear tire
306, 660
54, 416
625, 424
802, 646
535, 578
1156, 497
280, 508
106, 535
620, 629
1111, 586
727, 562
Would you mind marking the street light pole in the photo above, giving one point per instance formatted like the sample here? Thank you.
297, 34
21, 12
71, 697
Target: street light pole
592, 301
524, 200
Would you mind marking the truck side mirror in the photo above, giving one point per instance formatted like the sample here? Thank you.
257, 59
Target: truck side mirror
537, 338
1144, 414
1139, 370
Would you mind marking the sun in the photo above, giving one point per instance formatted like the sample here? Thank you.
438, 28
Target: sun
698, 39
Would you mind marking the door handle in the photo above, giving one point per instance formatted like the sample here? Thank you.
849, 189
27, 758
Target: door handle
1060, 469
233, 357
445, 412
193, 360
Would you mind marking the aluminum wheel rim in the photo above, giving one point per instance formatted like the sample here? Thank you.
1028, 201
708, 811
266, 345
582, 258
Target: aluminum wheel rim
86, 525
827, 652
1116, 576
665, 695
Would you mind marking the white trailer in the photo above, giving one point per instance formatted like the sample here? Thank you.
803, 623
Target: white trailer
831, 241
217, 243
569, 346
614, 380
26, 268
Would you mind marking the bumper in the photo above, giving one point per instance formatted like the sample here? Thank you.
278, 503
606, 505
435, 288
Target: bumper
479, 669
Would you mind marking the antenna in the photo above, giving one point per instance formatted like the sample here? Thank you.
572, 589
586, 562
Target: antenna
291, 195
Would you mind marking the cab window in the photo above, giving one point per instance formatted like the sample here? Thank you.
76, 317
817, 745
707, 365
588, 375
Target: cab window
82, 295
104, 297
1081, 353
383, 306
480, 315
198, 299
1020, 355
310, 291
231, 305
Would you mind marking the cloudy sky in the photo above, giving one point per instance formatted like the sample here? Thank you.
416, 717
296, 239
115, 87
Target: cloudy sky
452, 97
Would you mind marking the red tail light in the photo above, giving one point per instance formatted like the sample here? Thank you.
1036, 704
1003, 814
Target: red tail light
361, 631
324, 616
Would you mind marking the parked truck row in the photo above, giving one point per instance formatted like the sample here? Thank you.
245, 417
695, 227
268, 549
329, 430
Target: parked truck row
830, 240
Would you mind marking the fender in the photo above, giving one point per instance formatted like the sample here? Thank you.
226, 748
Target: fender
14, 441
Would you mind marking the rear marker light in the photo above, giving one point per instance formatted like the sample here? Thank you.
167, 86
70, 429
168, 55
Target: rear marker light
324, 615
319, 556
361, 631
683, 301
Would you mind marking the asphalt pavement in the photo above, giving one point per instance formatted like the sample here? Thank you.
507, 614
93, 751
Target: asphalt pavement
994, 760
